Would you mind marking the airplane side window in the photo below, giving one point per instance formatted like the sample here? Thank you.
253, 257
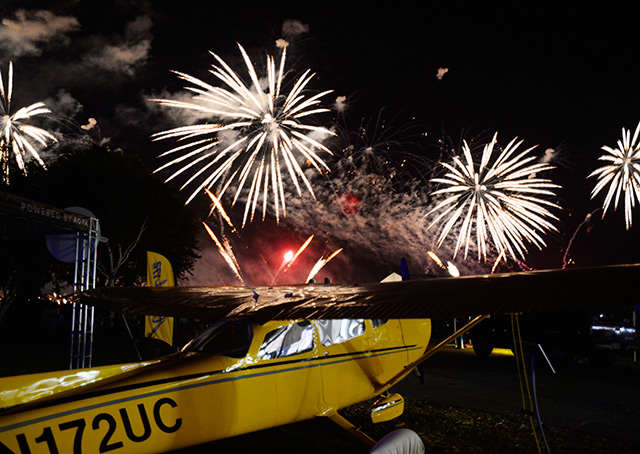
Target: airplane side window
224, 338
338, 331
287, 340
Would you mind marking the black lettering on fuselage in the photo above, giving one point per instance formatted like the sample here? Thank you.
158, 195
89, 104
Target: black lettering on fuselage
105, 444
158, 418
145, 423
77, 429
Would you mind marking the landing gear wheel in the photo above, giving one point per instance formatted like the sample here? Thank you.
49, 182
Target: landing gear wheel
482, 347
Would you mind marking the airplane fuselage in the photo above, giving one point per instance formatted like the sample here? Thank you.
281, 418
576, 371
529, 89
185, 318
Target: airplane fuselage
236, 379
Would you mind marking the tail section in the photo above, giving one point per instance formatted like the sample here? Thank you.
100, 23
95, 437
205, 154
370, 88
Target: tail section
404, 269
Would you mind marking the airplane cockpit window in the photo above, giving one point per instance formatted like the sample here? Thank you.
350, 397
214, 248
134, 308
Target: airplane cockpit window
223, 338
338, 331
378, 322
287, 340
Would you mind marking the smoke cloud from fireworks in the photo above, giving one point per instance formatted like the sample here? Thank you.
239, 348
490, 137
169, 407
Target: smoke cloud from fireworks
30, 30
127, 55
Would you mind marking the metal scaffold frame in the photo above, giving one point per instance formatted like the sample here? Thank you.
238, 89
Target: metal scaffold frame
82, 318
24, 214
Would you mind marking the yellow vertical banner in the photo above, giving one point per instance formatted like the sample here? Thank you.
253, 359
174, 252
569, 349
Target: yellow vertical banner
159, 274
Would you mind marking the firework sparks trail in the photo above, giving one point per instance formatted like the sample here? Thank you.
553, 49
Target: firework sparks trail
227, 253
622, 174
15, 133
497, 261
302, 248
586, 220
436, 259
271, 135
320, 264
501, 200
217, 205
290, 258
452, 269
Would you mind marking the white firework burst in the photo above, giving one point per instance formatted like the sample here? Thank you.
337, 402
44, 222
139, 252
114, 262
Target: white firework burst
15, 132
622, 174
268, 135
379, 147
503, 201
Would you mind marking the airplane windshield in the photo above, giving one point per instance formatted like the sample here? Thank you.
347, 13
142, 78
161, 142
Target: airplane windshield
223, 338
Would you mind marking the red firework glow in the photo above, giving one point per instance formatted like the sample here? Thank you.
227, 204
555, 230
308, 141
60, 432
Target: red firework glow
289, 258
349, 203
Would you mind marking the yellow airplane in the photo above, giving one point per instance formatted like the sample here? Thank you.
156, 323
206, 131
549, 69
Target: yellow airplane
276, 355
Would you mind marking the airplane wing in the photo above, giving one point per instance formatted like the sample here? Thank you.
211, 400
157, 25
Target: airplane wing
597, 288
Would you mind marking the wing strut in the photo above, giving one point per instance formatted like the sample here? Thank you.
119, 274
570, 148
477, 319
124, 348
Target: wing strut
430, 352
345, 424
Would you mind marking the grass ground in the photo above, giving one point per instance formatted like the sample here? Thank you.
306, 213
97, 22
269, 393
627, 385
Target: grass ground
443, 429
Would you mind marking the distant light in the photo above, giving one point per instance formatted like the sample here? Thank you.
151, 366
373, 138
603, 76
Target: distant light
288, 256
615, 329
453, 270
56, 298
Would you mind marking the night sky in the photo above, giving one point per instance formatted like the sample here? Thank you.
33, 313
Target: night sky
557, 78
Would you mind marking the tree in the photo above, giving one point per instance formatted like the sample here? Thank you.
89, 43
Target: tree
137, 212
134, 207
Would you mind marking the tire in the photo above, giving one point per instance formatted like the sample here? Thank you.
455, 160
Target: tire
482, 347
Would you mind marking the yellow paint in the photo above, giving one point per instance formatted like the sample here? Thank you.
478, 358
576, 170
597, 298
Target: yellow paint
197, 397
502, 352
14, 391
387, 408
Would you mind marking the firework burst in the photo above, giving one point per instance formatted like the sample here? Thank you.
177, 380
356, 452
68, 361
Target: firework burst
502, 201
15, 132
622, 174
378, 147
258, 133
